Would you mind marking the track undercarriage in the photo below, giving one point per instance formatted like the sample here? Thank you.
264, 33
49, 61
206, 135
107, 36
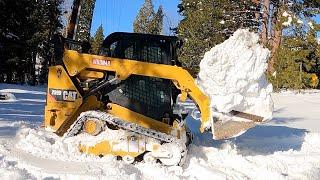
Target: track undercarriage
129, 141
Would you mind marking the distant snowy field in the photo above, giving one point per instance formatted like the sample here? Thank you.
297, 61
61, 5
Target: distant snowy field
288, 147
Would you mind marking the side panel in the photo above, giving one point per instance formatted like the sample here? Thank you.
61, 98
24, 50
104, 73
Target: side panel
63, 99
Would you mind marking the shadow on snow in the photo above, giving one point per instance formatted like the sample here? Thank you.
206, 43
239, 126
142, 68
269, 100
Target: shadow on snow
28, 108
260, 140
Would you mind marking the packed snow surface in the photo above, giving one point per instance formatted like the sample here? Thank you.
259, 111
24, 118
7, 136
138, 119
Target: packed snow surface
288, 147
232, 75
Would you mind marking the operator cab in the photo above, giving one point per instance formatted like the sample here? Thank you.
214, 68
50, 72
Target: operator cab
152, 97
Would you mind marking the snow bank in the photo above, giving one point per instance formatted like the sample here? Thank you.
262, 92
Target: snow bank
227, 161
54, 154
232, 75
8, 97
50, 146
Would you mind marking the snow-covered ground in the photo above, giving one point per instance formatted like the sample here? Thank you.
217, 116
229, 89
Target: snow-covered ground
288, 147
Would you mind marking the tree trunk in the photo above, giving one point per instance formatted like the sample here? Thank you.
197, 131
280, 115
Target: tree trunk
275, 46
257, 14
265, 20
276, 39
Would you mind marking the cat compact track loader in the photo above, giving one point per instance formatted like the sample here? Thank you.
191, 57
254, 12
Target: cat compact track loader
123, 101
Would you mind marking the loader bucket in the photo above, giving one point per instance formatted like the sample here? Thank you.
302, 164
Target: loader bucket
237, 124
230, 129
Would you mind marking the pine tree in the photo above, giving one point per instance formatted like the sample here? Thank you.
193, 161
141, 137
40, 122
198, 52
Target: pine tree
273, 26
30, 25
295, 51
147, 21
298, 61
238, 14
207, 23
49, 13
197, 30
85, 20
144, 18
288, 73
97, 40
157, 22
16, 34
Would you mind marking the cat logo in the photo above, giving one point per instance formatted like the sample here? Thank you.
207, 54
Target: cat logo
63, 95
69, 95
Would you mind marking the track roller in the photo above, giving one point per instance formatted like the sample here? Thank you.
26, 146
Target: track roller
93, 126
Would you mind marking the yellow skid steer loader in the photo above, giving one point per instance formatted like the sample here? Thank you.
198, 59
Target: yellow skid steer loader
127, 96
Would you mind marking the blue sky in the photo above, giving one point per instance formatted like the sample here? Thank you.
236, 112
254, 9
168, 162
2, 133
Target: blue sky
118, 15
318, 21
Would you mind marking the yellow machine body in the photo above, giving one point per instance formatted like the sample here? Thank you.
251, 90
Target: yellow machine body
59, 115
65, 103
